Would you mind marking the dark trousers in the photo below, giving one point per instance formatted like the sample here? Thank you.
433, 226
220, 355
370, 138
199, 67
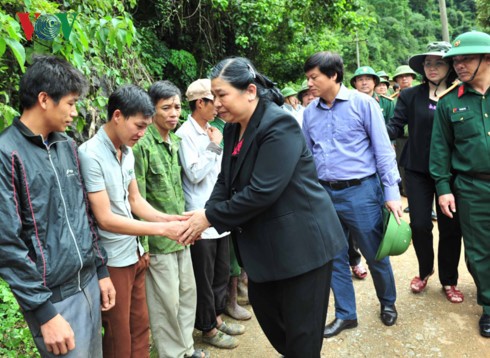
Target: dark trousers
292, 312
472, 198
354, 254
211, 261
421, 190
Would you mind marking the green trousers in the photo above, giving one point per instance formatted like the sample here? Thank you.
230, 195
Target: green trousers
472, 204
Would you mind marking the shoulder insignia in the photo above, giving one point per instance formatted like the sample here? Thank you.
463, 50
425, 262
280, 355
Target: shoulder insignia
387, 97
394, 95
452, 87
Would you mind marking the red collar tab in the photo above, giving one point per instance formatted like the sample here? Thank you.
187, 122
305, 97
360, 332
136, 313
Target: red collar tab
461, 91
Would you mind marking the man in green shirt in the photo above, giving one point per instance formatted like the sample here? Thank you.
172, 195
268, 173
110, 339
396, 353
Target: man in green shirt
170, 284
461, 147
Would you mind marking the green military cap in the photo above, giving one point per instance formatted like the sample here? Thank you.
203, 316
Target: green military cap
438, 48
383, 75
384, 78
404, 70
288, 91
364, 71
469, 43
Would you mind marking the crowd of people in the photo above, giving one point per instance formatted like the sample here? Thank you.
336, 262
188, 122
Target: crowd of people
274, 196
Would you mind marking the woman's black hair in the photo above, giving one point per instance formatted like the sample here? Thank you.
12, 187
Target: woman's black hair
240, 72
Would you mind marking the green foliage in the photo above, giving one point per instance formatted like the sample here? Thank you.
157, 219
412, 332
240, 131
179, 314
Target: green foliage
483, 15
15, 337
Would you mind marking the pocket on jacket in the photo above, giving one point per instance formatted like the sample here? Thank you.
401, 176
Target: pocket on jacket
465, 125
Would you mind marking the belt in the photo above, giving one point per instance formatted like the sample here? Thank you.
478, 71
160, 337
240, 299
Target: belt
343, 184
481, 176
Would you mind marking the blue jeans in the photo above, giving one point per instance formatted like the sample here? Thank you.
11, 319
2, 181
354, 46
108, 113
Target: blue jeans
360, 211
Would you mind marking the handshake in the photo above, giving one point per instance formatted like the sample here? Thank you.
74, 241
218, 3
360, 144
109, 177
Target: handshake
186, 228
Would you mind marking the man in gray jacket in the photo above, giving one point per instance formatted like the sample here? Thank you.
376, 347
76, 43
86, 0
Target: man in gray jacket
49, 247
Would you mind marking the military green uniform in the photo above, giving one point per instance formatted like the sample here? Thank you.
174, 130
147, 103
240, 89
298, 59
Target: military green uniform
461, 144
386, 104
158, 174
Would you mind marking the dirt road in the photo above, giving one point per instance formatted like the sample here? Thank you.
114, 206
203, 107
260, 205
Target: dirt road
428, 325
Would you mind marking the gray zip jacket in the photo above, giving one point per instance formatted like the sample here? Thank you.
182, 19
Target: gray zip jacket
49, 247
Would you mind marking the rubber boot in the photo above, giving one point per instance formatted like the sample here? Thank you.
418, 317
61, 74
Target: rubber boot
232, 308
242, 298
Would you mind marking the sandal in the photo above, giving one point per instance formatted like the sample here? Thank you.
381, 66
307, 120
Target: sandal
359, 271
453, 294
418, 285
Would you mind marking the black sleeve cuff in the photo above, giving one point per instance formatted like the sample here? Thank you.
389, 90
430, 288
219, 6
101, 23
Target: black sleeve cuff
45, 312
102, 272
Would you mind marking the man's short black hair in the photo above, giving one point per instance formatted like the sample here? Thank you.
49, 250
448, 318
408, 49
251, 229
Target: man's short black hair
192, 104
131, 100
52, 75
163, 90
328, 63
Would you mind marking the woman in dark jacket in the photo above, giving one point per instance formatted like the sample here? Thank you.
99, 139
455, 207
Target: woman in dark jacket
284, 226
416, 107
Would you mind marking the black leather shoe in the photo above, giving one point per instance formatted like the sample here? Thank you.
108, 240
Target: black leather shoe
337, 326
485, 325
388, 315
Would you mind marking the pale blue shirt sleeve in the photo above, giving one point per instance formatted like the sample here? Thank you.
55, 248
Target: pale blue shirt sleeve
383, 151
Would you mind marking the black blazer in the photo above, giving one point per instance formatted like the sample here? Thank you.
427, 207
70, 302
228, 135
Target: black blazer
412, 108
282, 220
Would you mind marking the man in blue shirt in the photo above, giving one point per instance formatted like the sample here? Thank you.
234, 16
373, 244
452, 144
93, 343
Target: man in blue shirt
346, 133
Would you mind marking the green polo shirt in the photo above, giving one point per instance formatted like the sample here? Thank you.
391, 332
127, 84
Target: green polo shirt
158, 174
460, 136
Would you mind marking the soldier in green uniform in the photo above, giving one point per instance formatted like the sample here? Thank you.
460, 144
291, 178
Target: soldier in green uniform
365, 80
461, 148
384, 84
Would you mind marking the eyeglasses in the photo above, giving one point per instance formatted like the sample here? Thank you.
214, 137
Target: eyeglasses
435, 64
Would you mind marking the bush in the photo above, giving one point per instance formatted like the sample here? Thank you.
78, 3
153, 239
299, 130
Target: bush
15, 337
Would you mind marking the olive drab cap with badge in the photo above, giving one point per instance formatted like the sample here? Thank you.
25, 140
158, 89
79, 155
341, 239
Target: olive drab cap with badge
364, 71
470, 43
438, 48
404, 70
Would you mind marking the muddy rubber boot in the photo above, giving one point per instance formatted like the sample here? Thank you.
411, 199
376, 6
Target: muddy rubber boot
232, 308
242, 298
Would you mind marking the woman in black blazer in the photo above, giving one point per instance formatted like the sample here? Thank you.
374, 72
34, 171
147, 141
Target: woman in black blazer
416, 107
284, 226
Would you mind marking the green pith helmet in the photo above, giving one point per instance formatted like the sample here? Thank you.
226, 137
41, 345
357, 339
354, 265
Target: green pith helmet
396, 238
288, 91
383, 75
364, 71
304, 86
384, 78
404, 70
438, 48
470, 43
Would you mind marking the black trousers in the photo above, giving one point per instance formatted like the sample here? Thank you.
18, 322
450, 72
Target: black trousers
354, 254
421, 190
211, 261
292, 312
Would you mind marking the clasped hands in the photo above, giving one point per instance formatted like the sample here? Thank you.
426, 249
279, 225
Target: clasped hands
190, 229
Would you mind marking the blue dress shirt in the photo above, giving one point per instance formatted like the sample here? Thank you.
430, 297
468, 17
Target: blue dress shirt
349, 140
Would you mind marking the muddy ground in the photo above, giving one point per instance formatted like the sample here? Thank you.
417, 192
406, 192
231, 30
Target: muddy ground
428, 325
